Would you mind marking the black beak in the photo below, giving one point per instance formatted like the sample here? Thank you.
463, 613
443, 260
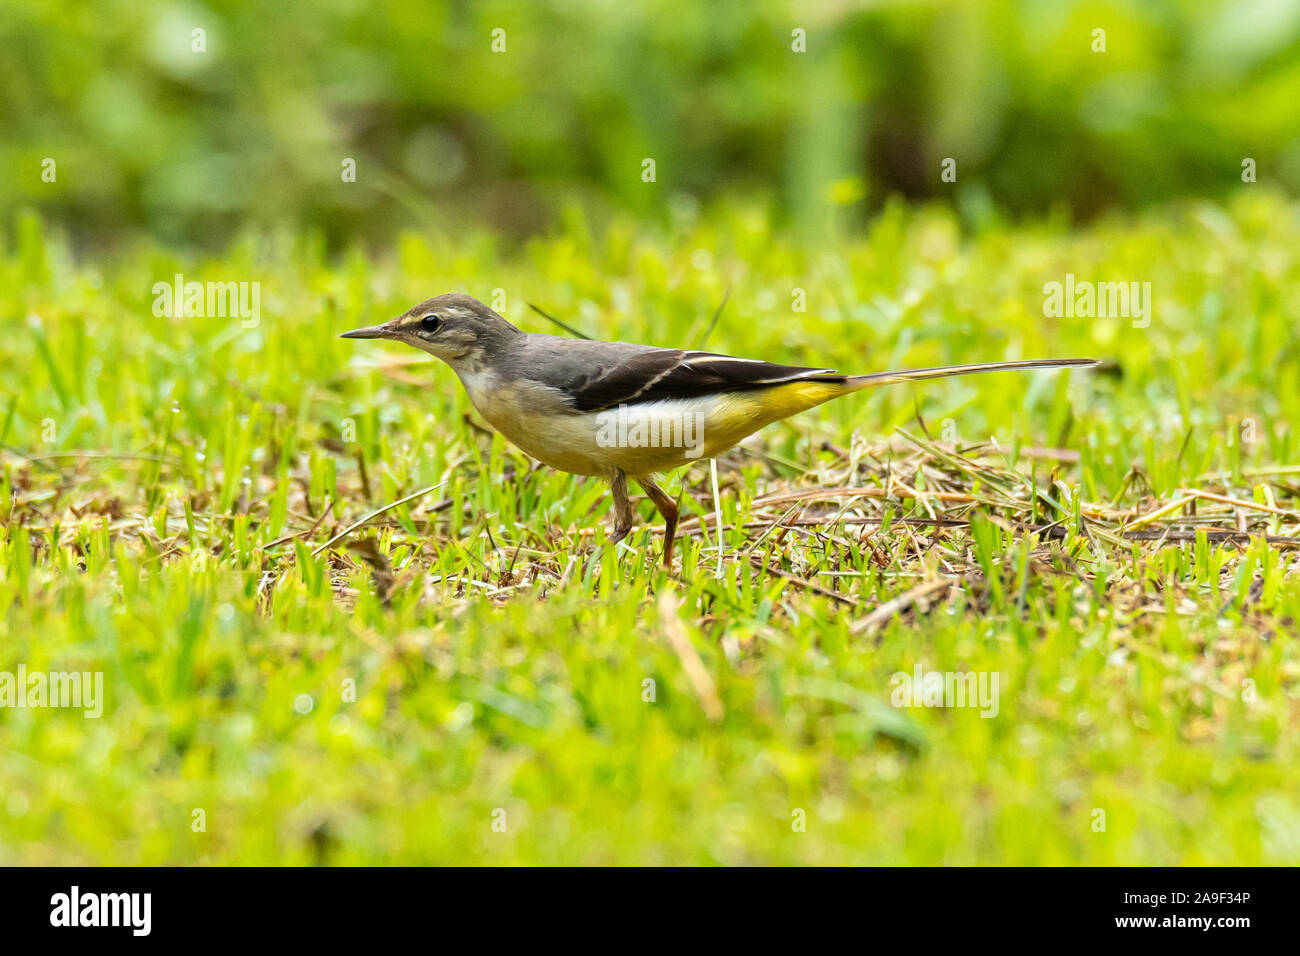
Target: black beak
371, 332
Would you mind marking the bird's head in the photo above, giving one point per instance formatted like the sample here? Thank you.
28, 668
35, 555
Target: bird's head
458, 329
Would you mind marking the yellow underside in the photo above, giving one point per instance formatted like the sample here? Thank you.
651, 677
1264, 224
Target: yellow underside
574, 443
739, 414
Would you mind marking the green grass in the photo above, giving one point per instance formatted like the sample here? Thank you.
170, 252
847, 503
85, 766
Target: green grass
500, 649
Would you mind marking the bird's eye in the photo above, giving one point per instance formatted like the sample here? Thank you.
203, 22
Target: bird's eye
430, 323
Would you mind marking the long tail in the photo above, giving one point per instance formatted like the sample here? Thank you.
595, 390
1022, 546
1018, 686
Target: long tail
915, 375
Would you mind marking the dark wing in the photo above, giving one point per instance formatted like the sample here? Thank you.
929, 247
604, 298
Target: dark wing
655, 375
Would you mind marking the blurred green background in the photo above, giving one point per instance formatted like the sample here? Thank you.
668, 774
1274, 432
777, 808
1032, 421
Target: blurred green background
195, 147
164, 482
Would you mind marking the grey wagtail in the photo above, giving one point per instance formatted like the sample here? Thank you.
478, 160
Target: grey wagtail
622, 411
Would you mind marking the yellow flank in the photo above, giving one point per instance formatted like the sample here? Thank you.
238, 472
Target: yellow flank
536, 421
739, 414
791, 399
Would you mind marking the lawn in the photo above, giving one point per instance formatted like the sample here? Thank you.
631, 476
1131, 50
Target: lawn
476, 676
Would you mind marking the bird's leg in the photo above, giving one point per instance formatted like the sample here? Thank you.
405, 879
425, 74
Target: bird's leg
666, 507
623, 514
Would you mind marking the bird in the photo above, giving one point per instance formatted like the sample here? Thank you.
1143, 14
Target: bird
620, 411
